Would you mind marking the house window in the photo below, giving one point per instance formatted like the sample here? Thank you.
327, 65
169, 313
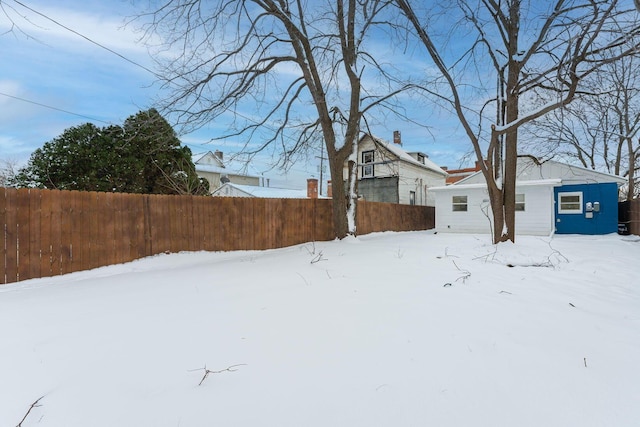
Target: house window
367, 160
459, 203
570, 203
520, 202
412, 197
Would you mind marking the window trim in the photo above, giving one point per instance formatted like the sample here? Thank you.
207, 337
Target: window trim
520, 205
368, 169
578, 211
464, 206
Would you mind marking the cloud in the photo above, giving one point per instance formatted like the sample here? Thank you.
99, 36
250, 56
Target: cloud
44, 23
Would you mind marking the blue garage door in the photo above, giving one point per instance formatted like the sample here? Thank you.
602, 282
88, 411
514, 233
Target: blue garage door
587, 209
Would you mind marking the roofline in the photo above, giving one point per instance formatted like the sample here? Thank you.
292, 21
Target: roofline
618, 179
552, 182
382, 142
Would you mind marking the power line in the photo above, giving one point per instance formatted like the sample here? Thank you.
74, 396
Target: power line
87, 38
53, 108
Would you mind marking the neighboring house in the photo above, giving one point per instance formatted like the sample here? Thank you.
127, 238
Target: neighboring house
387, 173
551, 197
455, 175
211, 167
238, 190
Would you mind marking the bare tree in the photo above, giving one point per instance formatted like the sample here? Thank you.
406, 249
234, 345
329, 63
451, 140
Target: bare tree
286, 71
601, 130
8, 170
512, 50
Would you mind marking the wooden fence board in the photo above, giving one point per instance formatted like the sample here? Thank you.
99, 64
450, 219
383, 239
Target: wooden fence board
35, 214
3, 229
83, 253
45, 233
11, 238
66, 231
22, 232
56, 232
120, 247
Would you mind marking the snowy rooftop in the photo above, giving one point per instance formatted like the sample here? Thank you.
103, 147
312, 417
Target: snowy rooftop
405, 156
265, 192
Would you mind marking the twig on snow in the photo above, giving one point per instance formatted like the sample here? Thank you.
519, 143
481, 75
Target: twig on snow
209, 371
465, 273
33, 405
318, 258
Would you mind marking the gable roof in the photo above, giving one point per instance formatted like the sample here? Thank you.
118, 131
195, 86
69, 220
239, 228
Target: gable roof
210, 162
240, 190
405, 156
530, 170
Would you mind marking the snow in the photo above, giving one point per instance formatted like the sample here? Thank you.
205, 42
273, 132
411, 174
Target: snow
258, 191
387, 329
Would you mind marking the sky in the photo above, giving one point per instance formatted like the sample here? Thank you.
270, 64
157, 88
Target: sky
53, 78
387, 329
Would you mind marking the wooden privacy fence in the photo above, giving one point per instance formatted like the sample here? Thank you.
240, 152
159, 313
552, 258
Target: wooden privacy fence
629, 214
50, 232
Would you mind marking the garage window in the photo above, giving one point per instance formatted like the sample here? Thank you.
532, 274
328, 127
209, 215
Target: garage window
459, 203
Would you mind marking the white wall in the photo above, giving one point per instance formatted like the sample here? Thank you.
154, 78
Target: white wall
415, 178
537, 218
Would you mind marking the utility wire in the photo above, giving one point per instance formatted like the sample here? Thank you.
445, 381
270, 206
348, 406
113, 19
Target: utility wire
102, 47
53, 108
87, 38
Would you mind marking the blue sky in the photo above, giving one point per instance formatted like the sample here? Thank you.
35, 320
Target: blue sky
46, 64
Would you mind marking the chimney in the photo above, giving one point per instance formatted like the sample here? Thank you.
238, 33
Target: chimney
397, 139
312, 188
219, 154
329, 189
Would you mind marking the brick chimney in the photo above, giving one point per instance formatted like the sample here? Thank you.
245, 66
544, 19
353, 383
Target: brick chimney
329, 189
312, 188
397, 139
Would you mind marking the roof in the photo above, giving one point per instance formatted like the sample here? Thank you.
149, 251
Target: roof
403, 155
210, 162
239, 190
530, 170
556, 182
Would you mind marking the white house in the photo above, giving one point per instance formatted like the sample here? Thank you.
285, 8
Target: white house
211, 167
551, 197
230, 189
388, 173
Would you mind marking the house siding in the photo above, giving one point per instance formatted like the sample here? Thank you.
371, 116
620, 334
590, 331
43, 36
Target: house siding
414, 179
604, 221
389, 170
537, 219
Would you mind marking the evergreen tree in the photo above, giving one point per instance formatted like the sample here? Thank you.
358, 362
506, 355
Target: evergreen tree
143, 156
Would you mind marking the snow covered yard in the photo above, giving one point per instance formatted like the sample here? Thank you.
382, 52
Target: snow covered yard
389, 329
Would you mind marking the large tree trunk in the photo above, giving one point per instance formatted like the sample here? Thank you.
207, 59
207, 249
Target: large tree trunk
339, 197
512, 114
632, 168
